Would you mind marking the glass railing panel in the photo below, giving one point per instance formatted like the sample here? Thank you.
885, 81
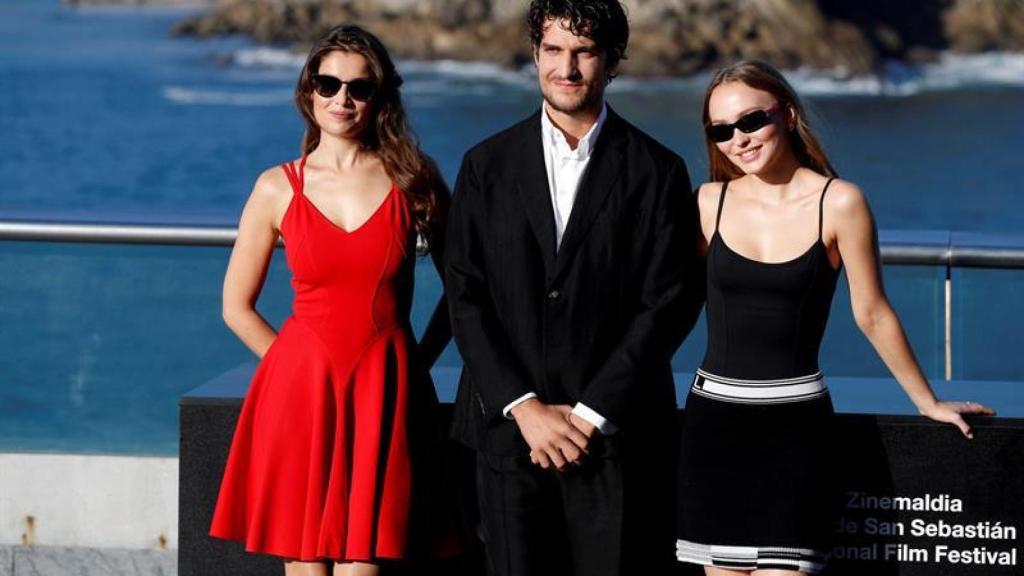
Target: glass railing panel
988, 324
100, 340
986, 306
917, 294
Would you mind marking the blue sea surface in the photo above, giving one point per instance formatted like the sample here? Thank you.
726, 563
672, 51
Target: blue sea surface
104, 116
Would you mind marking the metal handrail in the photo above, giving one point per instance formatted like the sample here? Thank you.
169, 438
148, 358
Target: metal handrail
986, 257
82, 232
925, 248
978, 251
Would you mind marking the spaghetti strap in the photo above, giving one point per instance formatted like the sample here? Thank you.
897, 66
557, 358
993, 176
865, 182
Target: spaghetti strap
821, 207
295, 176
721, 201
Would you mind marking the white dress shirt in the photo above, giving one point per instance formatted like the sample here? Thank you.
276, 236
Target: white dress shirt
565, 166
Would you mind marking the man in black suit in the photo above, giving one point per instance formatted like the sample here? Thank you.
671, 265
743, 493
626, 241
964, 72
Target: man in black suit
572, 277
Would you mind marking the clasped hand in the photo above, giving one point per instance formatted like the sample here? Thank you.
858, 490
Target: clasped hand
556, 436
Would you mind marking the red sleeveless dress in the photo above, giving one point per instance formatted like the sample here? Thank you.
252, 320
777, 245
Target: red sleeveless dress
320, 466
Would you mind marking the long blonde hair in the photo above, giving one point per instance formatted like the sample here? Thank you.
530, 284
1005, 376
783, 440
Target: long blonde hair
763, 76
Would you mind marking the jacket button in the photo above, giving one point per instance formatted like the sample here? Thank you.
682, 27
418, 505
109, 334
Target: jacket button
553, 295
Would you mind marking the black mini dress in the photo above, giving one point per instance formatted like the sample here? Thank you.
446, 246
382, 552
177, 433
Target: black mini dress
756, 483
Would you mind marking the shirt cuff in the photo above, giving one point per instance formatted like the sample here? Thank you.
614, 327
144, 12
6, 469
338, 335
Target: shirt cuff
604, 426
507, 412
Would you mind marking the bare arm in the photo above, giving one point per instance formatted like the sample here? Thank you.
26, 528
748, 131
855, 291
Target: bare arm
250, 258
857, 240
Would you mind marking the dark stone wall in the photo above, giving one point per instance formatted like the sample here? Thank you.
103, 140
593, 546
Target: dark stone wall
877, 457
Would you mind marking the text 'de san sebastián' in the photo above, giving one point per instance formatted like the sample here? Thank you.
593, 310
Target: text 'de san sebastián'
940, 529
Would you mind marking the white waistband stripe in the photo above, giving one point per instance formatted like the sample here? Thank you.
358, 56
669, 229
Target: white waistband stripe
759, 391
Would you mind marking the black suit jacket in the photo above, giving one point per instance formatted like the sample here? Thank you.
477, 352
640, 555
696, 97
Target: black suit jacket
595, 322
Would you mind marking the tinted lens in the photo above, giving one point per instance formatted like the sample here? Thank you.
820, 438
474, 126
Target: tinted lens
754, 121
361, 89
326, 86
750, 123
719, 132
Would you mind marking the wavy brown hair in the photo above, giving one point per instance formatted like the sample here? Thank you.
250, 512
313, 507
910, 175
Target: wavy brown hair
763, 76
389, 135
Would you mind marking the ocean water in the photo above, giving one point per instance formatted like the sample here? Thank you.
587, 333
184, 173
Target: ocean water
103, 112
105, 117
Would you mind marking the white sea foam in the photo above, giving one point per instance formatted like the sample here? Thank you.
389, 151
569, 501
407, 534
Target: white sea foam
274, 69
426, 77
221, 97
998, 68
949, 72
266, 57
274, 58
453, 69
630, 84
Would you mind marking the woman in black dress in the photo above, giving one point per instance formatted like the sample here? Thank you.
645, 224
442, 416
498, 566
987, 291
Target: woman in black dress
778, 226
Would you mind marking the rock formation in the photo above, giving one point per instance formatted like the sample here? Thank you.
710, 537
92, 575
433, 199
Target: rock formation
668, 37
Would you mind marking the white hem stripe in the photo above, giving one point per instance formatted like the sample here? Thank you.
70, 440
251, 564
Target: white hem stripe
751, 558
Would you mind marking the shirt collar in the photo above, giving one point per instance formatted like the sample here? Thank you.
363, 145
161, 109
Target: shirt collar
553, 135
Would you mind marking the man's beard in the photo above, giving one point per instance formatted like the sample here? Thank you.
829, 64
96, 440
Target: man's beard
586, 100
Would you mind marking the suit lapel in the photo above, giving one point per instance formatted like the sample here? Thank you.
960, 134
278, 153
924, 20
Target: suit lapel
601, 175
532, 187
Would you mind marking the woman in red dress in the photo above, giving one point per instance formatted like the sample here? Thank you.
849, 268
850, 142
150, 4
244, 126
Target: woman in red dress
321, 465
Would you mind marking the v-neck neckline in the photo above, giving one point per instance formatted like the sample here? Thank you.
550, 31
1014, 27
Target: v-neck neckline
301, 178
362, 225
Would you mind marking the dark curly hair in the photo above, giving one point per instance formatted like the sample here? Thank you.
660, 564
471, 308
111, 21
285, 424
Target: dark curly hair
603, 21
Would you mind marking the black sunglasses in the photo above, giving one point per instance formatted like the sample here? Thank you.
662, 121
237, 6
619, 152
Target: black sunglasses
359, 89
750, 122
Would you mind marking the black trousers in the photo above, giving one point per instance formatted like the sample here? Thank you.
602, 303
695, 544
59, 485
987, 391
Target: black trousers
610, 516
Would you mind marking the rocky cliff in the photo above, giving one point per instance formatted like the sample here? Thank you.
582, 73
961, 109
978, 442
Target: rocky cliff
668, 37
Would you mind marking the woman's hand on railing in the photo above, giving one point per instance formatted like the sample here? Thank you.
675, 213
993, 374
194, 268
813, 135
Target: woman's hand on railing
952, 413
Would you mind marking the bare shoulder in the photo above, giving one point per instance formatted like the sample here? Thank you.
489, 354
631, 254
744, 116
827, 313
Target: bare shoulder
708, 193
845, 199
271, 186
270, 197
